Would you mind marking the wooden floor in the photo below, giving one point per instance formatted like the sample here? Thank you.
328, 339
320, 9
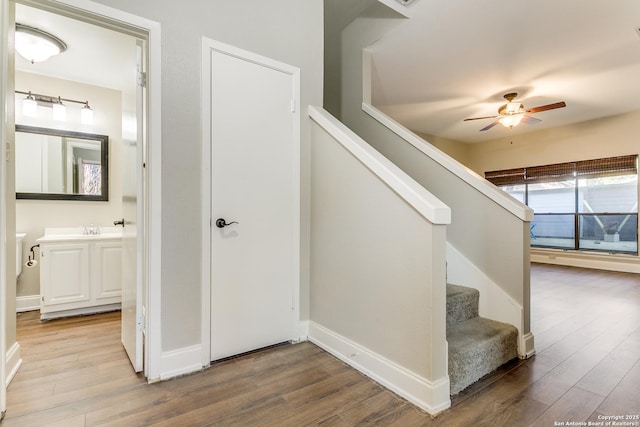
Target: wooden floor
587, 334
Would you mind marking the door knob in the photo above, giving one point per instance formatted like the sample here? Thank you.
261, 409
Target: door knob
121, 222
221, 223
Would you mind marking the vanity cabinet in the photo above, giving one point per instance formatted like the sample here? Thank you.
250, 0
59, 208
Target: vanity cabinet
79, 276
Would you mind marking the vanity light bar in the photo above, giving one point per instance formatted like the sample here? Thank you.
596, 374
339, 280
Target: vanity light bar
46, 99
32, 100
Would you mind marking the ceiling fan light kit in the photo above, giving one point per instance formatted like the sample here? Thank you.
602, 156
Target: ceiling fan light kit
512, 113
510, 120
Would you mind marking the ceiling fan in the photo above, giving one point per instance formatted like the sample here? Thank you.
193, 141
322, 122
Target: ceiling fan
512, 113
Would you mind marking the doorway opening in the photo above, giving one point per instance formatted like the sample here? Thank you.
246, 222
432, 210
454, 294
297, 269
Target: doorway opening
100, 67
134, 124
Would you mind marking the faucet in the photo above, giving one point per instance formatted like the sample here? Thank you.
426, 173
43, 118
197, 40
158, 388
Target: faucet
91, 230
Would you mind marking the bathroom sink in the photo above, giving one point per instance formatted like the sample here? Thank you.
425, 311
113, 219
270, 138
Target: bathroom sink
77, 233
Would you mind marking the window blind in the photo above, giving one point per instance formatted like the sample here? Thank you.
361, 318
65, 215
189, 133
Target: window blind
623, 165
506, 177
556, 172
611, 166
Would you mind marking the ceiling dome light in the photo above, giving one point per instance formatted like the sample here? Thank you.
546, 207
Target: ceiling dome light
36, 45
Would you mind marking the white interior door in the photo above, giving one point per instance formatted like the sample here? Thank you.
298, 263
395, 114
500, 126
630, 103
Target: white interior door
132, 217
254, 182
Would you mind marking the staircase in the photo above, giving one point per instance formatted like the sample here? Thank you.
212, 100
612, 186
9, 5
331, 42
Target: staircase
477, 346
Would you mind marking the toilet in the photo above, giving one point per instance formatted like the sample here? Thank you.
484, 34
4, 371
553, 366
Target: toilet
19, 242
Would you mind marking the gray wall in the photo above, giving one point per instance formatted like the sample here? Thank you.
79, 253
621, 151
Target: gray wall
285, 30
378, 265
338, 14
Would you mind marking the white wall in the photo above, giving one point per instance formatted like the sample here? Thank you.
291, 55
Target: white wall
289, 31
32, 216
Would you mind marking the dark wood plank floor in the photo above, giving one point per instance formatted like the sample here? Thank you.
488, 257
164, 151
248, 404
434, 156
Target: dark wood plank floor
586, 325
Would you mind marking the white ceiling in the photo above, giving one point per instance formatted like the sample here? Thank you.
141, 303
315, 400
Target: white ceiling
94, 55
455, 59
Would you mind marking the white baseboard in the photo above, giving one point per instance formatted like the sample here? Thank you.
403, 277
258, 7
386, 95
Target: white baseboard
304, 330
598, 261
179, 362
528, 346
27, 303
431, 396
81, 311
14, 361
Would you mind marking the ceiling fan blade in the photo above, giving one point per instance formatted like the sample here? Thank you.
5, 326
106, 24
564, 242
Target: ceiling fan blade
546, 107
489, 126
480, 118
530, 120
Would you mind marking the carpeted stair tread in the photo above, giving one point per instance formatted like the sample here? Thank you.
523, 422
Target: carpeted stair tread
462, 304
477, 347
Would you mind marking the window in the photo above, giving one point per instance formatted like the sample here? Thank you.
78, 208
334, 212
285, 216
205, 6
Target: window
91, 177
588, 205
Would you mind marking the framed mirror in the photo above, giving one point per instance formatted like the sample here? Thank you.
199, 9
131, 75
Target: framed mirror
56, 164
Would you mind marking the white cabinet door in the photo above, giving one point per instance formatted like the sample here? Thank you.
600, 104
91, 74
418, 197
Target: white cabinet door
106, 272
65, 274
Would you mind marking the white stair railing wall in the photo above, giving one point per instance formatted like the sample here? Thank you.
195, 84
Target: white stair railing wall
378, 267
489, 231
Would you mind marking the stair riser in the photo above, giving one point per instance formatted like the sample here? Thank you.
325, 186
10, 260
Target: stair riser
462, 306
468, 368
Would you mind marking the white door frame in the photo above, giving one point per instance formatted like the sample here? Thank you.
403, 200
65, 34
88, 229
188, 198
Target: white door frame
135, 25
209, 45
4, 27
